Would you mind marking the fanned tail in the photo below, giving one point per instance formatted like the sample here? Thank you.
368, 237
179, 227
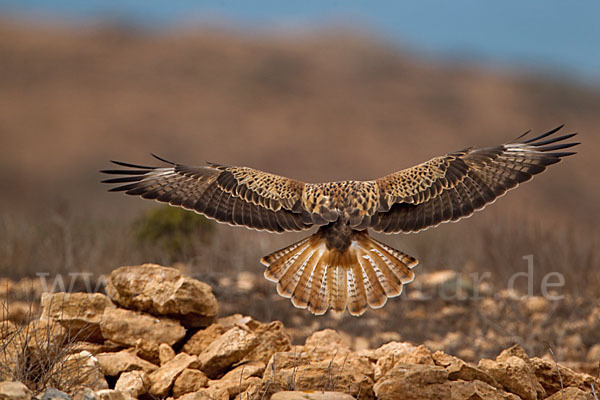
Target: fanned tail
317, 278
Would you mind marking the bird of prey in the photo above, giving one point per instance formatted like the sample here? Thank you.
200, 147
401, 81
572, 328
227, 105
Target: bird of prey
340, 265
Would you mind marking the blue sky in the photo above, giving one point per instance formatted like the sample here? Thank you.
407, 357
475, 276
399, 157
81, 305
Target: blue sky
561, 37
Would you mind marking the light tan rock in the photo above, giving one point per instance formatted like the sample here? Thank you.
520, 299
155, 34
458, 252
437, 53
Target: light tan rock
162, 379
515, 372
325, 341
534, 304
165, 353
110, 394
572, 393
78, 370
271, 339
228, 349
163, 291
200, 340
14, 391
391, 353
311, 396
202, 394
547, 375
133, 383
238, 379
414, 382
84, 394
143, 331
189, 381
113, 364
80, 313
343, 370
478, 390
460, 370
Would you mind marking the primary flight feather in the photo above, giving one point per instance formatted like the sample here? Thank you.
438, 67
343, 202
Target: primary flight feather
341, 266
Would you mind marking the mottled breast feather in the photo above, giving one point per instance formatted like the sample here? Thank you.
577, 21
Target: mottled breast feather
352, 201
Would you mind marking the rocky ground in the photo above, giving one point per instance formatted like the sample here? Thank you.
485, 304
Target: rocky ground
159, 334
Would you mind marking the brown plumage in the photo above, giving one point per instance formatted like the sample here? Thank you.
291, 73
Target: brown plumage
340, 266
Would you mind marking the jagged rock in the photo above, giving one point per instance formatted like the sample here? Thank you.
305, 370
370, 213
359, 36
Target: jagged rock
237, 380
143, 331
113, 364
163, 291
547, 375
80, 313
54, 394
85, 394
165, 353
311, 396
515, 372
79, 370
162, 379
199, 395
189, 381
110, 394
200, 340
460, 370
478, 390
389, 355
133, 383
319, 371
95, 348
414, 382
271, 339
226, 350
325, 341
572, 393
14, 391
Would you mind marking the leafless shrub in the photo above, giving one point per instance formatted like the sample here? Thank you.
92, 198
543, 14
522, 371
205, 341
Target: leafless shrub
39, 354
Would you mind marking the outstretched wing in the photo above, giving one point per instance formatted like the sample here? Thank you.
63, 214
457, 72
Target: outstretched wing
453, 186
234, 195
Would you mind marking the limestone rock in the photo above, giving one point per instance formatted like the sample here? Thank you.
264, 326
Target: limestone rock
547, 375
199, 395
163, 291
478, 390
390, 354
200, 340
85, 394
14, 391
343, 370
514, 371
572, 393
110, 394
143, 331
237, 380
271, 339
79, 370
162, 379
414, 382
80, 313
311, 396
113, 364
189, 381
226, 350
165, 353
460, 370
133, 383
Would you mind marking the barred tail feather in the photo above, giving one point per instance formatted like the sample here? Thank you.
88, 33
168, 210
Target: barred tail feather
319, 278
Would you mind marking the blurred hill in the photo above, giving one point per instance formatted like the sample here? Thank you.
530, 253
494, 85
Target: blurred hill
328, 106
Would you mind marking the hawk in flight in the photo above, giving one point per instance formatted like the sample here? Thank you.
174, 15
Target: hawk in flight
340, 265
